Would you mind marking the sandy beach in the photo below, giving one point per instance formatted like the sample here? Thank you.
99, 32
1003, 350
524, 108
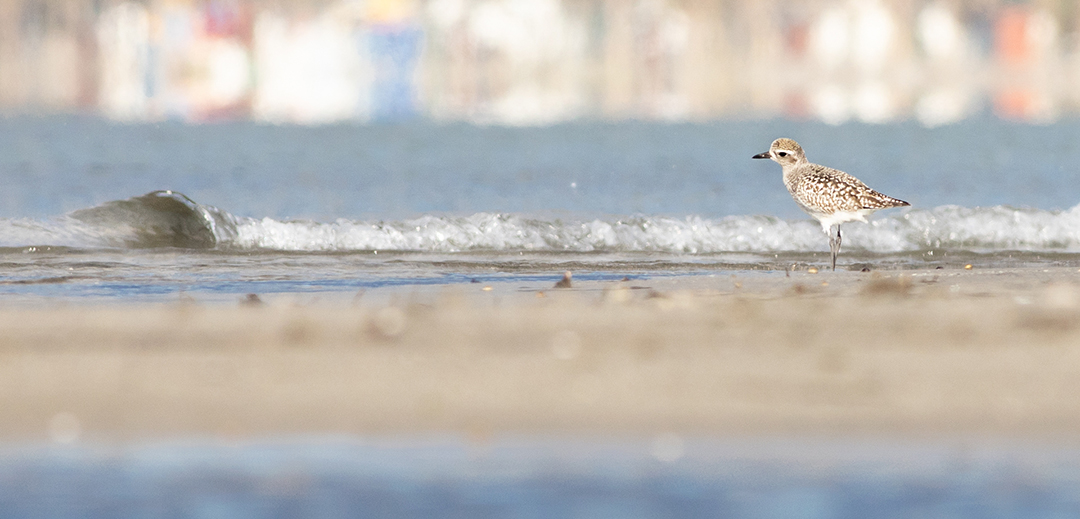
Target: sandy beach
947, 351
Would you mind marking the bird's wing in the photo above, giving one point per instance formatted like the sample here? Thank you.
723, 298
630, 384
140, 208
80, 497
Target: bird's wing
833, 190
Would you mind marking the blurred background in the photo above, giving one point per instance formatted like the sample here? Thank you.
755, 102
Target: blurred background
535, 62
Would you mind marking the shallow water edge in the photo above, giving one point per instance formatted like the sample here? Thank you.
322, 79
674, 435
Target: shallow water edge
338, 476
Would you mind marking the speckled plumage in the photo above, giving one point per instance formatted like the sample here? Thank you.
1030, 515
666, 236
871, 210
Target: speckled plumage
829, 195
821, 190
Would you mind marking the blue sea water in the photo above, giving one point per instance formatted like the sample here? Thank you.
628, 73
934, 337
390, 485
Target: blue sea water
53, 165
97, 208
667, 476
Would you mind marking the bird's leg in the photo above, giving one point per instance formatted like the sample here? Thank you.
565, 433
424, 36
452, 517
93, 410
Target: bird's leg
834, 245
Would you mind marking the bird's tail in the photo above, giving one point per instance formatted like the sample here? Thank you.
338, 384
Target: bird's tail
879, 201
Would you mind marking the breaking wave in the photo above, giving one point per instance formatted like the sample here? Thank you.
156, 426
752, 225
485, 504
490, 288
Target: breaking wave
169, 219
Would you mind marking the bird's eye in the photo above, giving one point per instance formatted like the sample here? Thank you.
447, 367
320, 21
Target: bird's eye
782, 153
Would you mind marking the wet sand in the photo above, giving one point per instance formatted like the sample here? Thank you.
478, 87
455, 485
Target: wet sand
952, 351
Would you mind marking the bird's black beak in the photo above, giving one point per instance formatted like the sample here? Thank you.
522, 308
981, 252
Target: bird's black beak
762, 156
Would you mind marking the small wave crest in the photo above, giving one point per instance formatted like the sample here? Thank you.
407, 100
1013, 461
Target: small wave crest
156, 219
170, 219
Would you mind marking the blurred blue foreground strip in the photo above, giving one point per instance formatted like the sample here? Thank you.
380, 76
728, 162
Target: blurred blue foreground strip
665, 476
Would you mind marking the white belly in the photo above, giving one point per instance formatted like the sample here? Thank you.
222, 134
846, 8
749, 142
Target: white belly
839, 217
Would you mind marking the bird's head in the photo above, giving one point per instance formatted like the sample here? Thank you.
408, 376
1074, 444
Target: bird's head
784, 151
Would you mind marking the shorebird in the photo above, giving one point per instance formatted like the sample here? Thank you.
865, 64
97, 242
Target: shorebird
829, 195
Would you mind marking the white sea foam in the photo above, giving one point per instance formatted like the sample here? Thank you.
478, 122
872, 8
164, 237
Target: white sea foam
166, 219
946, 227
508, 232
